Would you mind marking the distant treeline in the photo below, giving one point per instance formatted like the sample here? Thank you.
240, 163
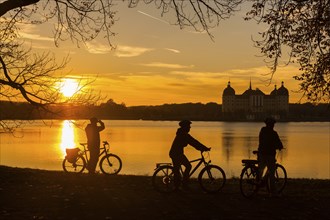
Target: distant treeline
111, 110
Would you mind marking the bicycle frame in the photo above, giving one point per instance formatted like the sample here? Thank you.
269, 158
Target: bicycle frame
265, 172
255, 165
251, 180
200, 161
211, 178
108, 163
103, 150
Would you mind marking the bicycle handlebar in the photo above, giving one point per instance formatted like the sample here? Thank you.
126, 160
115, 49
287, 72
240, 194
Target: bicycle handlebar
202, 151
85, 144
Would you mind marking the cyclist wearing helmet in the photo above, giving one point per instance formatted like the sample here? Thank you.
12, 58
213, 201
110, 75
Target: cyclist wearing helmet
181, 140
269, 142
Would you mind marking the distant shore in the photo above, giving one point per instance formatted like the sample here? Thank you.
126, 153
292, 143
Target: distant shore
166, 112
41, 194
177, 119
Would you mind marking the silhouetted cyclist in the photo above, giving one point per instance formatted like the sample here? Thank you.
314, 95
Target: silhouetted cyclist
181, 140
269, 142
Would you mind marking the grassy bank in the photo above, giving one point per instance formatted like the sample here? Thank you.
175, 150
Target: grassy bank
39, 194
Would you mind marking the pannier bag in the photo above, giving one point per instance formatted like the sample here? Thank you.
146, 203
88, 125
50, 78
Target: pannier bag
71, 154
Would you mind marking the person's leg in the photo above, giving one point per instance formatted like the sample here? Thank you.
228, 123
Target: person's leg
176, 171
185, 162
271, 165
261, 167
94, 157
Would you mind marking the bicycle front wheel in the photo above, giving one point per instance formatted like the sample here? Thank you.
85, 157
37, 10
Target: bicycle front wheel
248, 181
76, 167
163, 179
280, 178
212, 178
110, 164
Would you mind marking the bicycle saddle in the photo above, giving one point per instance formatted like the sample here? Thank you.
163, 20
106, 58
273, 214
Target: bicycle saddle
250, 161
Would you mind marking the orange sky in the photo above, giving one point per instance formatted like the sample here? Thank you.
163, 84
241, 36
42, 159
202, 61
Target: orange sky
157, 63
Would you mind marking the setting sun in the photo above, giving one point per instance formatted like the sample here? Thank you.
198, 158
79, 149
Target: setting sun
68, 87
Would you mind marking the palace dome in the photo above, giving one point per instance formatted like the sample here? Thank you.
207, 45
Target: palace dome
282, 90
229, 90
274, 92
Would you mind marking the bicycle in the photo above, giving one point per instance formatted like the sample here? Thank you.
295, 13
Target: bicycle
249, 183
109, 164
211, 178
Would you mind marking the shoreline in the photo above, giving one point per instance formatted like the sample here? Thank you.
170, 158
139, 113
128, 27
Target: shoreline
41, 194
167, 112
171, 119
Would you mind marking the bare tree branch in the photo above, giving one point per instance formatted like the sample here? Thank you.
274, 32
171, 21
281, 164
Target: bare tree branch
13, 4
303, 28
202, 15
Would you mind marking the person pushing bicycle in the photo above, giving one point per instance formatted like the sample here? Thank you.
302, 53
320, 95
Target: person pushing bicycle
269, 142
181, 140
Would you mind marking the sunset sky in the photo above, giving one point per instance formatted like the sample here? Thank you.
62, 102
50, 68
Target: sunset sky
157, 63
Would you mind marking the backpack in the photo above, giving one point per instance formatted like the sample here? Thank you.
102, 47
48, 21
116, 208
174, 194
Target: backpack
71, 154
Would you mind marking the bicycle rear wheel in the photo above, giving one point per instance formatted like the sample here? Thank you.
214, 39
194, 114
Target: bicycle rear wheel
248, 181
212, 178
76, 167
110, 164
163, 179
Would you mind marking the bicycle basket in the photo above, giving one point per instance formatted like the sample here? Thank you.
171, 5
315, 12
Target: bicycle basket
71, 154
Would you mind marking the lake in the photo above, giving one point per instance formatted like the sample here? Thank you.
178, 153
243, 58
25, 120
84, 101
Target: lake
142, 144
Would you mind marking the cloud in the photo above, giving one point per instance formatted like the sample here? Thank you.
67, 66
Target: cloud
166, 65
263, 73
128, 51
29, 36
199, 74
172, 50
36, 40
239, 77
27, 31
97, 48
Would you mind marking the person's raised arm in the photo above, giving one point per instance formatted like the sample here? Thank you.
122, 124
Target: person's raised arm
101, 127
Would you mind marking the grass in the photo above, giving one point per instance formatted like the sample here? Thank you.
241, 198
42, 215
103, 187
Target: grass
41, 194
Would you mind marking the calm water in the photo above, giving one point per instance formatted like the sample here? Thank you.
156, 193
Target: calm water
141, 144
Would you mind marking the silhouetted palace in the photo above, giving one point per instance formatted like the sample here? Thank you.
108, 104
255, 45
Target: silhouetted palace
254, 103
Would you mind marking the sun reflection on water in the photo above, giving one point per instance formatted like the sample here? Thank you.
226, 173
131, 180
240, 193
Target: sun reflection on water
67, 139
